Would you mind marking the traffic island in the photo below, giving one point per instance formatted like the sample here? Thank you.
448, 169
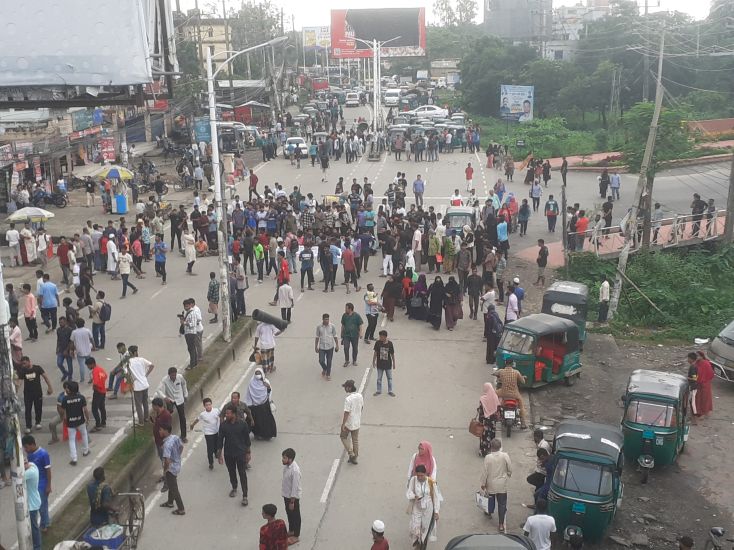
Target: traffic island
127, 465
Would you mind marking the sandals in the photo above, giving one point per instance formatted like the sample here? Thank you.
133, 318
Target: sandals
179, 513
167, 505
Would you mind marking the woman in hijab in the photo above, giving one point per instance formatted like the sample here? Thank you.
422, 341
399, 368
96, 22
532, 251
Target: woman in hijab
454, 312
487, 415
424, 457
417, 303
492, 332
468, 239
390, 295
257, 397
436, 299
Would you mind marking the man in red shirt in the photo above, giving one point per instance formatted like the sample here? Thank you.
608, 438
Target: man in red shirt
469, 172
582, 224
62, 251
99, 393
274, 534
162, 418
284, 275
378, 536
350, 268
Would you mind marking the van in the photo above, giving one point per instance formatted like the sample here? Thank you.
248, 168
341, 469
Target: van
352, 99
392, 97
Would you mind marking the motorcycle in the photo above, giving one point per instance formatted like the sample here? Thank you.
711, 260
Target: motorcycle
716, 539
42, 198
509, 415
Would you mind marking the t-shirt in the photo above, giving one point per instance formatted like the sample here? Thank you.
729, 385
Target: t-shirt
160, 251
32, 378
385, 354
353, 404
306, 257
138, 368
73, 406
348, 260
99, 379
49, 294
380, 545
543, 256
539, 527
82, 338
125, 262
469, 172
351, 324
42, 460
210, 421
31, 482
12, 236
265, 333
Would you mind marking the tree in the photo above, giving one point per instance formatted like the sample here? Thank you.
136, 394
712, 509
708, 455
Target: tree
451, 42
549, 78
188, 58
466, 11
254, 23
444, 10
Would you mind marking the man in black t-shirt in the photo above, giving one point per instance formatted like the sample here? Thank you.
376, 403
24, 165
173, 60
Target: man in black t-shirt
542, 261
697, 208
32, 391
384, 361
76, 415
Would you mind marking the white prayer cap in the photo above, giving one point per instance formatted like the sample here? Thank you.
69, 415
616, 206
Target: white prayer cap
378, 526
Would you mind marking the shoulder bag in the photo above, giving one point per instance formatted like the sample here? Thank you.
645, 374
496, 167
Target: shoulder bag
476, 428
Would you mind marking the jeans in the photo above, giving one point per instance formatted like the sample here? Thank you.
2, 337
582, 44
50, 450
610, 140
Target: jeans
351, 342
97, 260
115, 380
211, 447
191, 346
126, 283
236, 465
141, 404
260, 269
43, 510
99, 411
98, 335
65, 372
294, 516
32, 326
325, 357
160, 268
371, 326
35, 529
285, 313
291, 261
80, 359
350, 440
387, 372
615, 193
33, 403
501, 499
240, 301
48, 314
552, 223
181, 411
72, 440
473, 305
173, 492
306, 273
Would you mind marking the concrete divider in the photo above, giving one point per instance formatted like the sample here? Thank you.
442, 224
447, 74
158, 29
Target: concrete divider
126, 465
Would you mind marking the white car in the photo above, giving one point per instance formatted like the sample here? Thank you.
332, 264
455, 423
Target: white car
428, 111
352, 100
291, 144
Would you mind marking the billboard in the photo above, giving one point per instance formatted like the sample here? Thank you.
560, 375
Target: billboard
516, 102
408, 24
316, 38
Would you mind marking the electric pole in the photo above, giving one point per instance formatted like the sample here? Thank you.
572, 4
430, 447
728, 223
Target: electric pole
9, 411
630, 227
646, 66
729, 224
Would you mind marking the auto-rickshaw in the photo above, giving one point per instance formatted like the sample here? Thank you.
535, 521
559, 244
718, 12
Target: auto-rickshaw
481, 541
459, 216
655, 421
545, 348
568, 299
586, 488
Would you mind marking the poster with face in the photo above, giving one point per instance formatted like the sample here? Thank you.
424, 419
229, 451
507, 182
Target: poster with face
516, 102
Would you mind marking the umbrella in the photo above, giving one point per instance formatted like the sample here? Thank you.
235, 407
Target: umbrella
115, 172
30, 214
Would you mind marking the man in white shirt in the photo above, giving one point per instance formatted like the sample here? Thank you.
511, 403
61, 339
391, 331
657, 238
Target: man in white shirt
83, 342
139, 369
125, 261
209, 419
174, 391
291, 491
456, 199
540, 526
265, 334
512, 312
12, 236
417, 247
199, 319
351, 420
603, 299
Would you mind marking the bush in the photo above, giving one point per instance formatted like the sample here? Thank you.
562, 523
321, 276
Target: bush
692, 287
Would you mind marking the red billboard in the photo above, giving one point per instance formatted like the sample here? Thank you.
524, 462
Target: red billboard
402, 29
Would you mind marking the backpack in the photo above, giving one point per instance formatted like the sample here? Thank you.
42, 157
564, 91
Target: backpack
294, 245
105, 312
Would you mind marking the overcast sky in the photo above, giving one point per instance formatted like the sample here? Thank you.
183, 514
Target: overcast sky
310, 13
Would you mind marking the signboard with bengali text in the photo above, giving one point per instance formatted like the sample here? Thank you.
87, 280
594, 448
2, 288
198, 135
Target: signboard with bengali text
316, 38
402, 29
517, 102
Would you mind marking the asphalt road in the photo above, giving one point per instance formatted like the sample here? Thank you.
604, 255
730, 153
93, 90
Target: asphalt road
438, 384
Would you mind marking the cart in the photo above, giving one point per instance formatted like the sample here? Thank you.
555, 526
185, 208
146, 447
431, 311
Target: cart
130, 518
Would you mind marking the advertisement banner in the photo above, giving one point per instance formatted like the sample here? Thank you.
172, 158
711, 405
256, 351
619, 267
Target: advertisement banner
316, 38
6, 154
107, 148
516, 102
37, 168
81, 120
202, 129
403, 30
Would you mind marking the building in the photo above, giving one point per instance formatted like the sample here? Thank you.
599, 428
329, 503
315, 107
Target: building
519, 20
570, 22
208, 33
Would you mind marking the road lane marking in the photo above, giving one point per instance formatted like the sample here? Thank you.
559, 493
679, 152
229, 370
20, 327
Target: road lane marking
383, 324
156, 293
364, 380
330, 480
156, 497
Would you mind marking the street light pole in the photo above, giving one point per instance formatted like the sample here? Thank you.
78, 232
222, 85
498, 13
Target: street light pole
221, 212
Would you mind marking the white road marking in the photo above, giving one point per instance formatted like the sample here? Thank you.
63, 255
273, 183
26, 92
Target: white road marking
364, 380
156, 293
156, 497
383, 324
330, 481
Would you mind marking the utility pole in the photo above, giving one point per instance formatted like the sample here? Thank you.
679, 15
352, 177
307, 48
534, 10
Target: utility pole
198, 33
729, 224
630, 227
9, 416
646, 65
564, 229
228, 46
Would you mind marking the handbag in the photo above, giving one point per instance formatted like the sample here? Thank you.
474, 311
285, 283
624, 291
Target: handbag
476, 428
482, 502
273, 408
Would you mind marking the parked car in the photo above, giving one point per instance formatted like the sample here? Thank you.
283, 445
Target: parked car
291, 144
721, 353
429, 111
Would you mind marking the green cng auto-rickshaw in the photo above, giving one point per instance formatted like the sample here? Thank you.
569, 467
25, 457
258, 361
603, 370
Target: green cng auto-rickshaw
655, 421
568, 299
545, 348
495, 542
586, 487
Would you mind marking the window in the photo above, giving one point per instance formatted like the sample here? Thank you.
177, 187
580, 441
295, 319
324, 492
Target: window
210, 32
558, 54
651, 414
211, 50
583, 477
517, 342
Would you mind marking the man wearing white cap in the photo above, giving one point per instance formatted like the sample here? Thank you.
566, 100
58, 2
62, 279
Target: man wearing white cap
520, 293
378, 536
